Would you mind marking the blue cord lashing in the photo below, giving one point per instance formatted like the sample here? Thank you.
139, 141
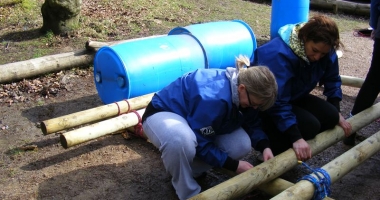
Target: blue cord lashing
321, 184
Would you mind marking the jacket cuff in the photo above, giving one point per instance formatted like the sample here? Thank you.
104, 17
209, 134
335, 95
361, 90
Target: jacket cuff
293, 133
231, 164
262, 144
335, 102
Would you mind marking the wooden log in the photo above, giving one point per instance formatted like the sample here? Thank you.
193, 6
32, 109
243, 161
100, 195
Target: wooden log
246, 182
94, 114
47, 64
96, 45
52, 63
337, 168
100, 129
275, 186
352, 81
344, 6
272, 188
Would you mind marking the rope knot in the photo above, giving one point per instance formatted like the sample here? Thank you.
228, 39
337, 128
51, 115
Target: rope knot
321, 184
138, 126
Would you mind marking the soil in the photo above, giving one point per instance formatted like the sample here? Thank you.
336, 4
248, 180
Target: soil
36, 166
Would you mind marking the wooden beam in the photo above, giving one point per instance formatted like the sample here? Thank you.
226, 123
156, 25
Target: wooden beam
30, 68
246, 182
94, 114
100, 129
352, 81
345, 6
337, 168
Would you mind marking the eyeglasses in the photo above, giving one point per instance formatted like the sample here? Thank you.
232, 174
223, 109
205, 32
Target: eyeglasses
249, 101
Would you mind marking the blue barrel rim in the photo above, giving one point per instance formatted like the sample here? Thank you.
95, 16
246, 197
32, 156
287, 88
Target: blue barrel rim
182, 30
187, 32
250, 32
114, 53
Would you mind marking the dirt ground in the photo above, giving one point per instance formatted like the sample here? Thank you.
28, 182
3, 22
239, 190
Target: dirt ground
112, 167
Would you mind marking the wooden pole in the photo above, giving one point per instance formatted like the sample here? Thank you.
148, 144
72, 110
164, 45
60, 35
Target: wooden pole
272, 188
30, 68
26, 69
94, 114
246, 182
339, 5
95, 45
337, 168
100, 129
352, 81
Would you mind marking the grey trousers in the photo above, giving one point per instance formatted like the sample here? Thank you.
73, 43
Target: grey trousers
171, 134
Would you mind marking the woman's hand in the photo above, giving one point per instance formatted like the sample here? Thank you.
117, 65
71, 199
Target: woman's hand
243, 166
346, 126
302, 149
267, 154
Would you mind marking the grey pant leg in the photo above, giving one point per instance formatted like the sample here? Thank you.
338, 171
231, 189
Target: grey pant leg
171, 134
236, 144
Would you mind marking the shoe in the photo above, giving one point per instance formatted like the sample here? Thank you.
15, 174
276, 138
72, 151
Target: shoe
350, 140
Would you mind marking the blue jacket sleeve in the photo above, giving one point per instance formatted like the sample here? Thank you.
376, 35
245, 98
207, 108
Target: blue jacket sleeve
375, 13
280, 59
259, 140
331, 80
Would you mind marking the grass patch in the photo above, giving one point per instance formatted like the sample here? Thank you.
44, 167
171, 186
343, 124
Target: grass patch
108, 20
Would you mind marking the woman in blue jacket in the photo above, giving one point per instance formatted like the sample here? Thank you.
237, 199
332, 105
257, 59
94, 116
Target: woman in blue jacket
300, 57
371, 86
209, 118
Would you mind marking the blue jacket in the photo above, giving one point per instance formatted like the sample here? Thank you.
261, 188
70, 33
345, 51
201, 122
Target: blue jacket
296, 78
375, 13
204, 99
374, 17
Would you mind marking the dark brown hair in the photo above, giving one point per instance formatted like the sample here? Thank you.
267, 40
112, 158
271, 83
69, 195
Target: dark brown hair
320, 29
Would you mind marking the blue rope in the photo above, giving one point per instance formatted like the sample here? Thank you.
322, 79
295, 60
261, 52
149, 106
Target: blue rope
321, 184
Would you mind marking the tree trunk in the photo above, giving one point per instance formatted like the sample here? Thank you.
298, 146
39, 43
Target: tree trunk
60, 16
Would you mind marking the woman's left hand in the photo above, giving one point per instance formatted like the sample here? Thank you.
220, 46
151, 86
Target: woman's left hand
346, 126
267, 154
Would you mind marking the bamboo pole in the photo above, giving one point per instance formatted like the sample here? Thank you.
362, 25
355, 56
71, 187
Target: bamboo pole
100, 129
352, 81
337, 168
94, 114
245, 182
30, 68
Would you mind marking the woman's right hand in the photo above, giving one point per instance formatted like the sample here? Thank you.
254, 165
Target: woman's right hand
302, 149
243, 166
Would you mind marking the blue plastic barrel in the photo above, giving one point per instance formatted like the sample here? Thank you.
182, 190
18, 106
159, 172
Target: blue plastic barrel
144, 66
288, 12
222, 41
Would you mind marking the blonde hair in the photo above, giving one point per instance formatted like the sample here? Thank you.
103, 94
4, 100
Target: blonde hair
258, 80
